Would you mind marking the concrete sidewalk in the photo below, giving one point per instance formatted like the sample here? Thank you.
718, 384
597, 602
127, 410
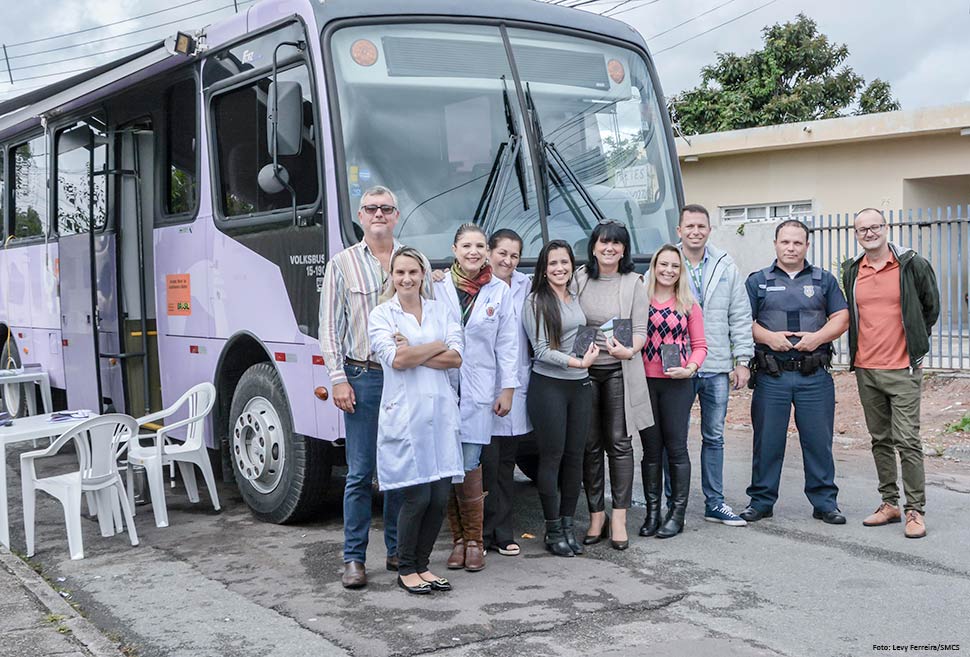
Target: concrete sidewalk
35, 620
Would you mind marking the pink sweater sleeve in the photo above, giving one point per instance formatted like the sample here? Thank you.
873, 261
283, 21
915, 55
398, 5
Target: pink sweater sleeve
695, 328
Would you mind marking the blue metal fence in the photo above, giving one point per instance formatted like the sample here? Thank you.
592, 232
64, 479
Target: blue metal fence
942, 236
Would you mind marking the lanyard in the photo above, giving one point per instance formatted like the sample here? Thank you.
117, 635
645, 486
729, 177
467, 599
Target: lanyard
697, 278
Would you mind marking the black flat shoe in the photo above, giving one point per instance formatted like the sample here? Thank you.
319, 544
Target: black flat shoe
424, 588
830, 517
439, 584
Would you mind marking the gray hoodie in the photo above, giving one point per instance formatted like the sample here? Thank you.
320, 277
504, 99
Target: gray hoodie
727, 313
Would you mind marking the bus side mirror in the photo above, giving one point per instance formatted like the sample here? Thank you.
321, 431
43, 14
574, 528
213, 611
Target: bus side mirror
284, 118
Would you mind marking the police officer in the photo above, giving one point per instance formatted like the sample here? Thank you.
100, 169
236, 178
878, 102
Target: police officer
798, 310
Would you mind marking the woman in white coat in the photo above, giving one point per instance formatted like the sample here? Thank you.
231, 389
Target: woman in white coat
498, 457
418, 448
483, 304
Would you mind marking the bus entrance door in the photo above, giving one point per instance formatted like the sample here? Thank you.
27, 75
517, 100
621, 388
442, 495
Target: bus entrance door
85, 252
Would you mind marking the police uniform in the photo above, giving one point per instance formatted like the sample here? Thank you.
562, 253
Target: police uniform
780, 302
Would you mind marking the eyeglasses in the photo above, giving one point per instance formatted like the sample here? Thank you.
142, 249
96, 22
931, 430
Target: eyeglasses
875, 230
608, 222
385, 209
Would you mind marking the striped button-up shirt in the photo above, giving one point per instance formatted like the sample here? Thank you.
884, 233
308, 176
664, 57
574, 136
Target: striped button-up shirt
351, 288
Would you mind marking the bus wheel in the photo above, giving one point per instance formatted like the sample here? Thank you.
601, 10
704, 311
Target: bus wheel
13, 396
281, 475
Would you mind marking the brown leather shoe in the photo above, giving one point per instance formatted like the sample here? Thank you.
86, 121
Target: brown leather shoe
456, 559
393, 563
915, 527
885, 514
355, 575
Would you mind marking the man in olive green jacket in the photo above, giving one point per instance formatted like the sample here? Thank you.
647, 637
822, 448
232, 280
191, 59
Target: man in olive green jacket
894, 302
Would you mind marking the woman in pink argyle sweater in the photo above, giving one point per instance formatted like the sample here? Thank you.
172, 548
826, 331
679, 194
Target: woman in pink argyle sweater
674, 319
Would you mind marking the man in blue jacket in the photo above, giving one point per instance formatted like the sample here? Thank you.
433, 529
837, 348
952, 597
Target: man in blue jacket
719, 289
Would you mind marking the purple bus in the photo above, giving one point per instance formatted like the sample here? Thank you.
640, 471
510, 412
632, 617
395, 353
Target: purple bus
167, 218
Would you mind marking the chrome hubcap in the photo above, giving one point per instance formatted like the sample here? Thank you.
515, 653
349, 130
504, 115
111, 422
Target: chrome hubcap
258, 445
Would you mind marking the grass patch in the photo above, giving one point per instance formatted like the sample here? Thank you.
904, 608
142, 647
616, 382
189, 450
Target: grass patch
962, 425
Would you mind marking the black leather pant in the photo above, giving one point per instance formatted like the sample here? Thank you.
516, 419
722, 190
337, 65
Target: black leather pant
608, 434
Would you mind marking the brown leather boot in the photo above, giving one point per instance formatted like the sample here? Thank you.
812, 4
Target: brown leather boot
456, 559
471, 506
885, 514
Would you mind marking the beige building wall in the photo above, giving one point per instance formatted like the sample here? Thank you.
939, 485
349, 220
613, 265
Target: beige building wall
892, 161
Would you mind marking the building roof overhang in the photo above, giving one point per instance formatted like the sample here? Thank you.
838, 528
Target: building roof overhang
953, 119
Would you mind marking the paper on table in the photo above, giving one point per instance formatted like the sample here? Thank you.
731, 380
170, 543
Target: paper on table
68, 415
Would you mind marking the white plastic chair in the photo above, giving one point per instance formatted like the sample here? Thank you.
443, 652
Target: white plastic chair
97, 442
166, 450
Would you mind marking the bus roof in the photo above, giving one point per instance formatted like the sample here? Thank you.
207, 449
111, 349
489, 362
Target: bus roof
526, 11
23, 112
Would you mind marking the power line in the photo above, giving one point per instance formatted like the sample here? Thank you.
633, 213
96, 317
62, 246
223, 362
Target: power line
144, 29
708, 31
85, 56
101, 27
613, 12
691, 19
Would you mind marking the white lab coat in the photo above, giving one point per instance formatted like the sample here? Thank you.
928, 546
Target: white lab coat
417, 435
517, 423
491, 354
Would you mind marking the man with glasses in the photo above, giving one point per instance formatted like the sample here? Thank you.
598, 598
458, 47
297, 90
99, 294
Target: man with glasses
895, 302
353, 282
719, 289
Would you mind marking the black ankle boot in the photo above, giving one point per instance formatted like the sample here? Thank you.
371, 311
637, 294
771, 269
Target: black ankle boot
555, 540
680, 489
652, 472
567, 531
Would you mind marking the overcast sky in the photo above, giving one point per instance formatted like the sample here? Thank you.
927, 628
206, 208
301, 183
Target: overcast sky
921, 47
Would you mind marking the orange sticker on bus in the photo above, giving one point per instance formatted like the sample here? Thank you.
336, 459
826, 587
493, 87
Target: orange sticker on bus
179, 294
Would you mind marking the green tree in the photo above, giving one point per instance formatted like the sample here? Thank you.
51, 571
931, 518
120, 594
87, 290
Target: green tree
799, 75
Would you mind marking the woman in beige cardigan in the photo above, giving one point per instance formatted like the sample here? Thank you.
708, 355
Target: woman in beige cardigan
609, 288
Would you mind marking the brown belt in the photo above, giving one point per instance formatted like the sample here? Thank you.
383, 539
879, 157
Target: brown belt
363, 364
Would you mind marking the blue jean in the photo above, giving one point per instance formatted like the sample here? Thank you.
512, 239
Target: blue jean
813, 397
712, 392
361, 452
471, 455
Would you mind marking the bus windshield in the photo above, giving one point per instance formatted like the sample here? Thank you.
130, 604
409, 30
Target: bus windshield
435, 113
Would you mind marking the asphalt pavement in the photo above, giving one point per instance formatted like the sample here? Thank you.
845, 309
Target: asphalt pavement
224, 584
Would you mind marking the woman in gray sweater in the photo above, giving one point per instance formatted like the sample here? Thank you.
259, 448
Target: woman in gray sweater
559, 392
610, 289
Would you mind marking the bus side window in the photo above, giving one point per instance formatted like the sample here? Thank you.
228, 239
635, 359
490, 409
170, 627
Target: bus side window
181, 181
82, 150
29, 182
239, 116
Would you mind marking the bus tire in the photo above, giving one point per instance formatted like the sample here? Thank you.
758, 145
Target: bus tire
282, 476
13, 396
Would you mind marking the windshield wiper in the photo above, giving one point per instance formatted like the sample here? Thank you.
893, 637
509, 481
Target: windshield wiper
498, 177
547, 151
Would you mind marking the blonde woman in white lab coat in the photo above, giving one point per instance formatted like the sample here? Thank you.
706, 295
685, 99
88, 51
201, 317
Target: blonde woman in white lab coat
482, 303
417, 340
